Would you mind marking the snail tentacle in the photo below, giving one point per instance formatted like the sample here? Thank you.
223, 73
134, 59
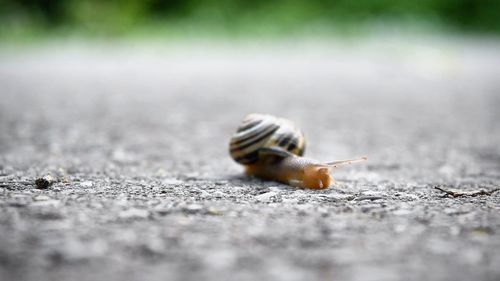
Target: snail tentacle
346, 162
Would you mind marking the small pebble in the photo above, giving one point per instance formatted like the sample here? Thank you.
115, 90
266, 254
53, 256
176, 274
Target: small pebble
86, 184
44, 182
266, 197
41, 198
219, 194
192, 208
214, 212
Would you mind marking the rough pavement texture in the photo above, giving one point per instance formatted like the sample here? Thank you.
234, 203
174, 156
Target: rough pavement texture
138, 136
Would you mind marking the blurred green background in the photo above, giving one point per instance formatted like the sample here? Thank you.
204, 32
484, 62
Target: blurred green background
113, 18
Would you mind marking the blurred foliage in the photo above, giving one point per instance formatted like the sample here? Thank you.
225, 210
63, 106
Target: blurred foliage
117, 18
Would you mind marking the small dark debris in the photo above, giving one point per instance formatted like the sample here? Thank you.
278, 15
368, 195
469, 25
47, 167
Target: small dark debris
459, 193
44, 182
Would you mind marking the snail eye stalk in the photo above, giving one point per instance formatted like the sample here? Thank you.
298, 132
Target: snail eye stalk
335, 164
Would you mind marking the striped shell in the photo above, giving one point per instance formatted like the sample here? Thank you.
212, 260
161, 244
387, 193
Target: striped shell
259, 131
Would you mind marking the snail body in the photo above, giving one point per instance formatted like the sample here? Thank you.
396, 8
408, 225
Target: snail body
272, 148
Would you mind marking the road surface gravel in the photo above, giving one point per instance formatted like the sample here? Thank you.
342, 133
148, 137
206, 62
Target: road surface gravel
137, 137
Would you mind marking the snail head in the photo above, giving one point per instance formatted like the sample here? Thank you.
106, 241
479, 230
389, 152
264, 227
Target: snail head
317, 176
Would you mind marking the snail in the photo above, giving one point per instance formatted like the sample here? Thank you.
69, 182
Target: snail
272, 148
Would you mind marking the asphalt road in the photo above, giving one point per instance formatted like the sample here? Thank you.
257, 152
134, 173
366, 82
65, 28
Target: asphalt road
137, 136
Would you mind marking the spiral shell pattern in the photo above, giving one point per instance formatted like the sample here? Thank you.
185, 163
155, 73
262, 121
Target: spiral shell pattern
264, 131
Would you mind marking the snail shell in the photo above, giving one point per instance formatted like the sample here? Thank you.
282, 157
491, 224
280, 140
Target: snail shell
259, 133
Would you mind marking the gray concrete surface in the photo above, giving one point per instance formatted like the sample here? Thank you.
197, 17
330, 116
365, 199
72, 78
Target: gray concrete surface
138, 136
